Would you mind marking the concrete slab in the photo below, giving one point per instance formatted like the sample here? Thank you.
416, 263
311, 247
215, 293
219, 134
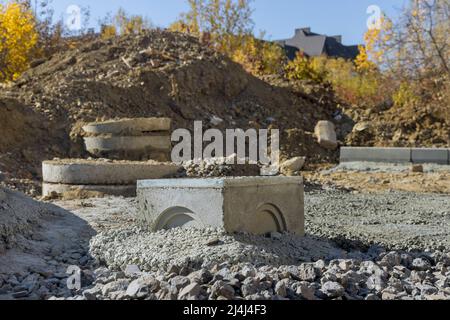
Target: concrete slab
257, 205
87, 172
113, 190
394, 155
430, 155
129, 126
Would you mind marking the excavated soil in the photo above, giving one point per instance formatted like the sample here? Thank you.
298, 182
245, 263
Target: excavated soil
164, 74
424, 126
156, 74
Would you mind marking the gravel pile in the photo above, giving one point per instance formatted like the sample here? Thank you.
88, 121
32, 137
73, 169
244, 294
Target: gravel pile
371, 275
203, 248
218, 167
388, 276
19, 217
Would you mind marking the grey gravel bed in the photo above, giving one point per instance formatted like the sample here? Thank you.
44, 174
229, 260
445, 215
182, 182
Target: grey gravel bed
396, 220
348, 254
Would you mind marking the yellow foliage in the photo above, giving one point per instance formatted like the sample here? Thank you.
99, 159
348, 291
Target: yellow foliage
405, 96
376, 40
362, 61
179, 26
18, 39
351, 86
302, 68
123, 24
108, 31
257, 56
228, 26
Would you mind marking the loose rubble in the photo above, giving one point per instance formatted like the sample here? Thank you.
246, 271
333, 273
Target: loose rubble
219, 167
387, 276
131, 263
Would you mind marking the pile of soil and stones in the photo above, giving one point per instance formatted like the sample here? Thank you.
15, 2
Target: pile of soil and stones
409, 126
19, 217
156, 74
165, 74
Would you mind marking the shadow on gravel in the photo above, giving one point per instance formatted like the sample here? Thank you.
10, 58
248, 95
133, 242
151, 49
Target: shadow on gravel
40, 235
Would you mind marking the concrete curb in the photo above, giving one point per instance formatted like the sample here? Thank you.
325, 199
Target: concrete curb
396, 155
429, 155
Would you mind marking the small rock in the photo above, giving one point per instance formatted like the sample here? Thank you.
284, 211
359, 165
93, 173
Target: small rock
142, 287
306, 291
391, 260
417, 168
189, 292
213, 242
307, 272
132, 271
333, 289
275, 236
376, 283
202, 276
293, 165
421, 264
372, 297
417, 276
248, 271
280, 289
426, 289
119, 285
221, 288
179, 282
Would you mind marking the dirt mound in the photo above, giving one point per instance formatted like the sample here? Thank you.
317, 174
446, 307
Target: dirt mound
158, 73
400, 127
19, 217
165, 74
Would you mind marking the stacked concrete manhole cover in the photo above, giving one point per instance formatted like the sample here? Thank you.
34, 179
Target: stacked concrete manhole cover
130, 139
127, 150
103, 176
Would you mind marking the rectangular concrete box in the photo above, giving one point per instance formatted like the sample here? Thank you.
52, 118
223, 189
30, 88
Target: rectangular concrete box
430, 155
256, 205
395, 155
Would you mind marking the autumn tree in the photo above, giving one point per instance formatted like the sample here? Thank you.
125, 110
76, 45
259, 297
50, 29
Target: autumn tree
18, 39
123, 23
417, 44
228, 26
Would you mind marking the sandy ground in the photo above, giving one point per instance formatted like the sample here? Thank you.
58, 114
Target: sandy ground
373, 177
387, 218
66, 231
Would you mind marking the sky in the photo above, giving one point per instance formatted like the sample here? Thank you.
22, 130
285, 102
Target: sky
277, 18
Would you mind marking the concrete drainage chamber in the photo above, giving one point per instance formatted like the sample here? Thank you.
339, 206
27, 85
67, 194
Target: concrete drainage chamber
256, 205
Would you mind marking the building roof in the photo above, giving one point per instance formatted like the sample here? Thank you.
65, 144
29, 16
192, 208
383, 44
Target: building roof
313, 44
